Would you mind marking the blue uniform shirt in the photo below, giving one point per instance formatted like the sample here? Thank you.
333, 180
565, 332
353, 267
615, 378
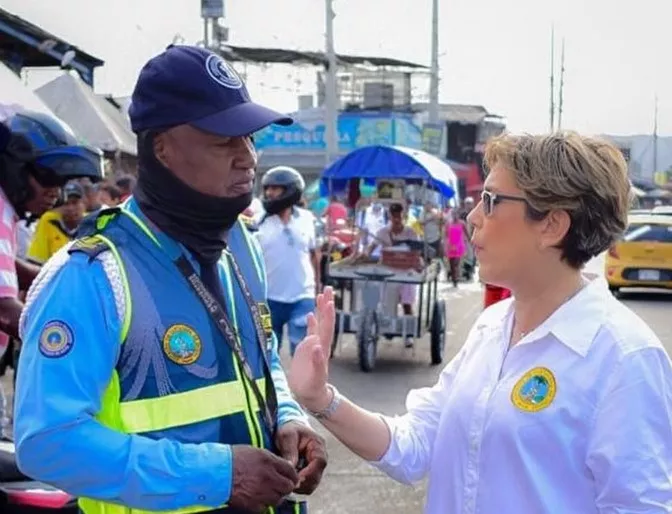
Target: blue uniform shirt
58, 440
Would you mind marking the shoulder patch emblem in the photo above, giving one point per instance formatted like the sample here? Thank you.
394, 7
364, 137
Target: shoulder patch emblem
90, 245
182, 344
56, 339
535, 390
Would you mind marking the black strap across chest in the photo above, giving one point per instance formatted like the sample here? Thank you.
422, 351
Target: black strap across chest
221, 319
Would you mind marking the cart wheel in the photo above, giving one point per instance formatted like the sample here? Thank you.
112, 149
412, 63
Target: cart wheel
334, 341
367, 341
438, 332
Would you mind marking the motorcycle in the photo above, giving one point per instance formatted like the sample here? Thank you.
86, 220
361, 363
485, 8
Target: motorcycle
20, 494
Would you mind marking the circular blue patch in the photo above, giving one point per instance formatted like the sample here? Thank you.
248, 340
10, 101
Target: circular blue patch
222, 73
56, 339
181, 344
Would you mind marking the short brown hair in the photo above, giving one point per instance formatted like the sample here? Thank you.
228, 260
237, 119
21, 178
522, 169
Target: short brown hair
586, 177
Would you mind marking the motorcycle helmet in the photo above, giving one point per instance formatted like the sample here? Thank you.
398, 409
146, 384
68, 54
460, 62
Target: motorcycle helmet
287, 178
57, 155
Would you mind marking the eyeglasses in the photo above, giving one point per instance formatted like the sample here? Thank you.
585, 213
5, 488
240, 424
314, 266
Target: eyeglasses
489, 200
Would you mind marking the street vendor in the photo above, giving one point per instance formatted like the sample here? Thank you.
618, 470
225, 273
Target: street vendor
394, 233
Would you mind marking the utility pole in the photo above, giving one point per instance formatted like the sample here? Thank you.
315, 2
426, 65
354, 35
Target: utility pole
434, 79
206, 40
552, 106
562, 84
331, 100
655, 136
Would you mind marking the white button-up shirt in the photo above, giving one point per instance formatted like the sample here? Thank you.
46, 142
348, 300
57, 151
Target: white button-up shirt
574, 419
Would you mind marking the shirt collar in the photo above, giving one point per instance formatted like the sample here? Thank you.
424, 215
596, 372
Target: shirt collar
575, 323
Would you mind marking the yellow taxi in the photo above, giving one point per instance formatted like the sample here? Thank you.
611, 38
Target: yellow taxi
643, 257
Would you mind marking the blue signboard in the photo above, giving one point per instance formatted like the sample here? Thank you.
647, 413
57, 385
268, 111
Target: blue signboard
354, 130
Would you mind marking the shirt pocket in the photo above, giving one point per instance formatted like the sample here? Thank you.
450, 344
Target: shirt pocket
543, 421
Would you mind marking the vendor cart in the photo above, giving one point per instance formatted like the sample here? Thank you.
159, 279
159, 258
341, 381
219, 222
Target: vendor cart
372, 312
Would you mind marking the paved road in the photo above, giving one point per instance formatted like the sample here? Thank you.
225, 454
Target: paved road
354, 487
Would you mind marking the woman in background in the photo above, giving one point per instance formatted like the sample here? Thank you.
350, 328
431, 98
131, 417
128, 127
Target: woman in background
456, 246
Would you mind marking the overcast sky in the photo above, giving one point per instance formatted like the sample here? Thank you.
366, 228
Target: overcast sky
493, 52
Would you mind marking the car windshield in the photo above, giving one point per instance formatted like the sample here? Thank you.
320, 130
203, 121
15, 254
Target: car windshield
648, 232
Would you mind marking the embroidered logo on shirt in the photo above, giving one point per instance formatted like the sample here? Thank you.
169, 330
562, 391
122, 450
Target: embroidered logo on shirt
182, 344
56, 339
535, 390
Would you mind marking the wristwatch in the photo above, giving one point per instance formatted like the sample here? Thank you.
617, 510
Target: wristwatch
331, 408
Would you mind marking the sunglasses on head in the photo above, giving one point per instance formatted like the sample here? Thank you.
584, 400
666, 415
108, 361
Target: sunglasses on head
490, 200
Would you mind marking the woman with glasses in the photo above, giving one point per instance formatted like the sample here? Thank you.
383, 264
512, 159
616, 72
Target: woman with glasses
560, 400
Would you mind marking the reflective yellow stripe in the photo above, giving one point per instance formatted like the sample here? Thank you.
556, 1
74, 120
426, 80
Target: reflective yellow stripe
250, 414
94, 507
179, 409
142, 226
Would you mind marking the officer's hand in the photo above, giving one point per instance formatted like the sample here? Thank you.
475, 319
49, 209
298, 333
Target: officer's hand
298, 442
309, 368
260, 479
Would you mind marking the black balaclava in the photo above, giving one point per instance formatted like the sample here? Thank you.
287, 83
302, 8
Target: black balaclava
198, 221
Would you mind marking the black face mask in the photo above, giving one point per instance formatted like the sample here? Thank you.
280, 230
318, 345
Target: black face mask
198, 221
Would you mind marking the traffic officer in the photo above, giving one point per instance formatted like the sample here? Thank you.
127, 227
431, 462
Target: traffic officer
150, 379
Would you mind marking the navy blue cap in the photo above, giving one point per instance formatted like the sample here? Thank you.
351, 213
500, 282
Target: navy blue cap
194, 86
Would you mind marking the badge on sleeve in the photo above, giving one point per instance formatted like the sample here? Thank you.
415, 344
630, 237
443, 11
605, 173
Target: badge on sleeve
535, 390
182, 344
56, 339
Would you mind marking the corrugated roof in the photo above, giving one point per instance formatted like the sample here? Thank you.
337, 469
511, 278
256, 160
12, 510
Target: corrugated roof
459, 113
20, 36
279, 55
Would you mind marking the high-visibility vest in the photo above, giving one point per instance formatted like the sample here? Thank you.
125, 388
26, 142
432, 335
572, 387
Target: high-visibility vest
131, 242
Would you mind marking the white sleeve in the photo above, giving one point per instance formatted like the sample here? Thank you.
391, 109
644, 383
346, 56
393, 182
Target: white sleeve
312, 239
409, 455
630, 449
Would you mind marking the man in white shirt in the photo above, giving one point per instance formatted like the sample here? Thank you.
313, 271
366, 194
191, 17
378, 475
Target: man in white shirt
287, 237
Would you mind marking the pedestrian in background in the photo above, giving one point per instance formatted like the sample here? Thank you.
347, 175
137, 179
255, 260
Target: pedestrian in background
288, 239
456, 246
